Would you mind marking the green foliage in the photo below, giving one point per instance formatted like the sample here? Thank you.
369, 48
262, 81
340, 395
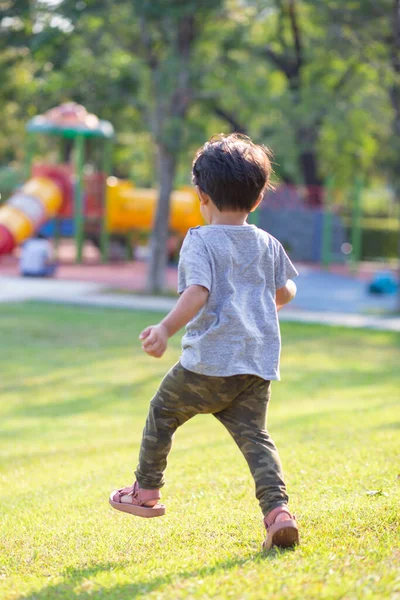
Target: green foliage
10, 178
302, 77
379, 243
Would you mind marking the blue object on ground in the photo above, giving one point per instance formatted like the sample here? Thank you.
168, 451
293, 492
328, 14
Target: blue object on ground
383, 283
67, 228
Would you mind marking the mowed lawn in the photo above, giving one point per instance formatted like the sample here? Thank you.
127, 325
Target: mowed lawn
75, 387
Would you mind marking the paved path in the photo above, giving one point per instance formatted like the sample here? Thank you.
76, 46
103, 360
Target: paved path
312, 305
17, 289
325, 291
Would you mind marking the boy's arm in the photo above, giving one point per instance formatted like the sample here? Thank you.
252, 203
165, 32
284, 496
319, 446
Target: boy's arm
155, 337
285, 294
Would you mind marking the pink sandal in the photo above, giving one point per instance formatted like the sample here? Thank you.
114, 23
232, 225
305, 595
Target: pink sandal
284, 534
137, 501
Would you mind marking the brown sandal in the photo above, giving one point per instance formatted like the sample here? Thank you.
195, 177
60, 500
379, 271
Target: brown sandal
283, 534
137, 501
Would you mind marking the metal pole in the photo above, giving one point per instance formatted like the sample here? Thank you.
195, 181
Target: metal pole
78, 196
356, 229
130, 238
104, 236
327, 223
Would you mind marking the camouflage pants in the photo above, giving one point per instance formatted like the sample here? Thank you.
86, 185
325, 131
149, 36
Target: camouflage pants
238, 402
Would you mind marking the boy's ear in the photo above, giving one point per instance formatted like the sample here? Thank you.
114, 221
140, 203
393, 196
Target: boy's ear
259, 200
203, 197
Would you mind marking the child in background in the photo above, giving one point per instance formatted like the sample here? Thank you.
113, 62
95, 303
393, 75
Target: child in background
232, 280
37, 258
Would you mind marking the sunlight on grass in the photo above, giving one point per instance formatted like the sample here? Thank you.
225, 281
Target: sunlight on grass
75, 389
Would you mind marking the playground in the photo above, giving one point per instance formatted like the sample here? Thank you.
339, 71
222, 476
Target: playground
100, 226
75, 195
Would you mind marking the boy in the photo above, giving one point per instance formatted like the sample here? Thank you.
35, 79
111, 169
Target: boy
232, 280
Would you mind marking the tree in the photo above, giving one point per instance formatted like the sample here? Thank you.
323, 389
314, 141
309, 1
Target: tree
168, 34
157, 41
293, 81
167, 39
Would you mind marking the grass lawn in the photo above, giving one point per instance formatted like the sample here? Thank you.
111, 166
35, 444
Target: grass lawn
75, 387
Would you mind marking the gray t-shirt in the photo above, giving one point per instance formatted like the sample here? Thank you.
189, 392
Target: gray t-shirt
237, 331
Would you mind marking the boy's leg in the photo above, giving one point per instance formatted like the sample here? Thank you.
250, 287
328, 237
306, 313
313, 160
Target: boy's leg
181, 395
245, 419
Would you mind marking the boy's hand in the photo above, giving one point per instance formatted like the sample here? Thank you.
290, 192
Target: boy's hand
155, 339
286, 294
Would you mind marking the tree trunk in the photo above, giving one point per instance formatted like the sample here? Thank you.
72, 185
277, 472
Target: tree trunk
159, 237
314, 184
172, 95
292, 64
308, 163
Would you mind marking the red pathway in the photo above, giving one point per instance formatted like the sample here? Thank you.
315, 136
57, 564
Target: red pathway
132, 276
129, 276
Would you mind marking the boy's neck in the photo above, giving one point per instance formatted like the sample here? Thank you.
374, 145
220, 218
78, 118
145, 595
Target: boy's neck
228, 217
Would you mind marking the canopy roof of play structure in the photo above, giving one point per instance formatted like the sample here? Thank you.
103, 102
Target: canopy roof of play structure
70, 120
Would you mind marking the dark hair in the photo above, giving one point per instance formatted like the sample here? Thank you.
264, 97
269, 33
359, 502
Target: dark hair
232, 170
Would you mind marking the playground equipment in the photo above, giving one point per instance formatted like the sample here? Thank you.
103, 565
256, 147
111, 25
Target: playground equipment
76, 189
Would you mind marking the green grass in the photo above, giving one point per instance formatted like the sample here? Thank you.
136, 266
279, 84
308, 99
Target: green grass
383, 223
75, 388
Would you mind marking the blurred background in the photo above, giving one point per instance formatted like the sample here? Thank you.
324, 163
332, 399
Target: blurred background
316, 81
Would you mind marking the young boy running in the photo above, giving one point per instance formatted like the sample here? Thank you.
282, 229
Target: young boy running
232, 280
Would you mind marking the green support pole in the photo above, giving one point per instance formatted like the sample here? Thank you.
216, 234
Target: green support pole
104, 238
327, 224
57, 235
130, 240
78, 196
356, 223
29, 153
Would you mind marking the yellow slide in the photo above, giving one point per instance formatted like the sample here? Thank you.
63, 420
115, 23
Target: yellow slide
128, 209
38, 200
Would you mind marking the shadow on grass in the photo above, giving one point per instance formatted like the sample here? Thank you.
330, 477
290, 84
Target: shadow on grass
323, 417
127, 393
93, 402
78, 585
394, 425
